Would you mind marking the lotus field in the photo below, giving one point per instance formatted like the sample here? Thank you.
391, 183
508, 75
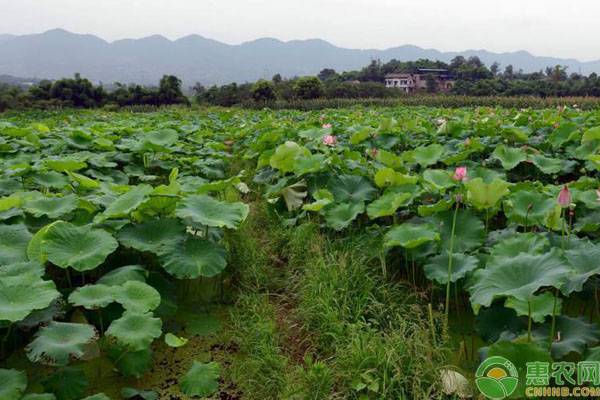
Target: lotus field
111, 223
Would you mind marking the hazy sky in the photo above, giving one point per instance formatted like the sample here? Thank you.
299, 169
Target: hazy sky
543, 27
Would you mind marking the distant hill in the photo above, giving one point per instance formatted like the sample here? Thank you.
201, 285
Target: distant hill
58, 53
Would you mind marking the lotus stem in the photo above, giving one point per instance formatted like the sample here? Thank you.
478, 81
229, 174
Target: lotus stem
553, 328
4, 340
529, 320
450, 253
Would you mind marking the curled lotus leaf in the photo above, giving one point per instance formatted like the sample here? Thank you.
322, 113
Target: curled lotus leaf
13, 243
92, 297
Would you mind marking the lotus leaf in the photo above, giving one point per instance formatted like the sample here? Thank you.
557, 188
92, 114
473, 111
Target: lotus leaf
79, 247
193, 258
409, 235
134, 330
208, 211
387, 204
152, 236
127, 203
540, 306
136, 296
486, 195
18, 300
121, 275
12, 384
437, 268
575, 336
58, 342
92, 297
67, 383
13, 243
53, 207
351, 189
201, 380
519, 277
508, 156
175, 341
339, 216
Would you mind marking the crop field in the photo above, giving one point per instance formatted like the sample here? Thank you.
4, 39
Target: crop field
355, 253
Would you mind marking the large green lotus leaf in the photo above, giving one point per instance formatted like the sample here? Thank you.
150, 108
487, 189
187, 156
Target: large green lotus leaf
339, 216
520, 354
83, 181
51, 179
426, 210
12, 384
409, 235
575, 335
352, 189
201, 380
53, 207
546, 164
161, 139
519, 277
541, 306
528, 207
17, 270
284, 158
137, 296
584, 260
121, 275
309, 164
193, 258
65, 164
79, 247
438, 179
208, 211
428, 155
389, 177
152, 236
18, 300
59, 342
469, 231
13, 243
322, 198
387, 204
492, 322
67, 383
136, 331
531, 243
132, 393
437, 267
486, 195
92, 297
294, 195
509, 157
566, 132
127, 203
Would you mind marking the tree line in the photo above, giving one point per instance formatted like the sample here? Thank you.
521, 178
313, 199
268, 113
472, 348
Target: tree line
80, 92
472, 78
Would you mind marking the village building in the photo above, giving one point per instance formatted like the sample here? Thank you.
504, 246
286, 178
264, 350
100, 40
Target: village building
411, 82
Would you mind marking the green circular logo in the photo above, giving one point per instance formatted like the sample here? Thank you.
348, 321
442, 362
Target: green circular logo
497, 378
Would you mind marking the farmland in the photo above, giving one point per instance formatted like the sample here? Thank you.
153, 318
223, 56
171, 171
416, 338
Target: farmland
368, 253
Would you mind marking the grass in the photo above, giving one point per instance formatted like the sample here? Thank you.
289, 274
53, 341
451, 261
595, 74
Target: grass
320, 319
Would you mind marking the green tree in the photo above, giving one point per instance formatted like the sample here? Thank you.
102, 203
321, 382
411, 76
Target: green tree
263, 91
308, 87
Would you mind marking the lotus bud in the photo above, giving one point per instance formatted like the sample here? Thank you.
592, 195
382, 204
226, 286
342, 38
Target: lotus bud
460, 174
329, 140
564, 197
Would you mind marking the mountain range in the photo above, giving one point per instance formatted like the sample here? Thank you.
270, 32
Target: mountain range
58, 53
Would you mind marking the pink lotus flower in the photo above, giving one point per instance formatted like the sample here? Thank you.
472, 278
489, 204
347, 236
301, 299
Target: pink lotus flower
374, 152
326, 126
329, 140
564, 197
460, 174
